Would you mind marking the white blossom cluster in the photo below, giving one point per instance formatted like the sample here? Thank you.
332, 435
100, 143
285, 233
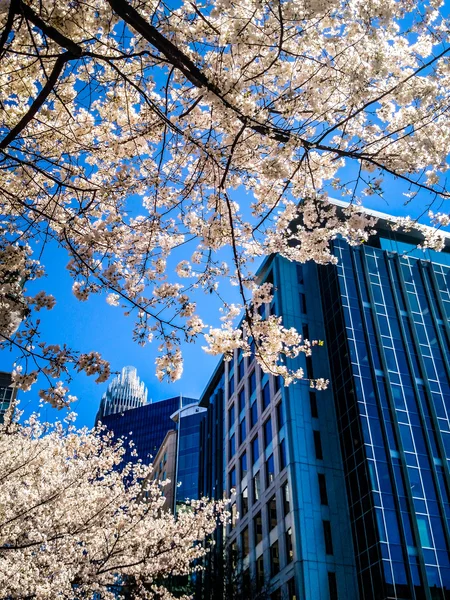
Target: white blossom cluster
76, 522
152, 143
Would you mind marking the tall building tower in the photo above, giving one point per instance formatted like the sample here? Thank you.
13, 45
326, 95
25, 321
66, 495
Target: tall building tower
125, 391
343, 493
387, 309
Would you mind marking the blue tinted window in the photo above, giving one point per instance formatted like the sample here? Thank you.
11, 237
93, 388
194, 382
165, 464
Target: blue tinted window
266, 395
231, 416
270, 470
252, 383
242, 400
283, 459
241, 369
255, 449
243, 461
268, 432
242, 430
254, 414
232, 445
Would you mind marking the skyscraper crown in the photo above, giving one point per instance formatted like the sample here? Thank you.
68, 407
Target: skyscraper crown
125, 391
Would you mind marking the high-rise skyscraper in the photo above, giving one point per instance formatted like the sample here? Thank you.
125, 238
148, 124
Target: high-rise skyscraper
125, 391
342, 493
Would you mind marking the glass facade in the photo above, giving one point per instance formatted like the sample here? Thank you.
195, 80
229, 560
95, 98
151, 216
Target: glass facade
344, 493
7, 393
272, 451
387, 320
146, 426
188, 453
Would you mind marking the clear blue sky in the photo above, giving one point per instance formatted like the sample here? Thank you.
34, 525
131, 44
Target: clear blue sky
94, 325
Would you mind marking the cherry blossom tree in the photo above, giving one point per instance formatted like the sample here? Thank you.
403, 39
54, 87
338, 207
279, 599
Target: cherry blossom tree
139, 135
76, 521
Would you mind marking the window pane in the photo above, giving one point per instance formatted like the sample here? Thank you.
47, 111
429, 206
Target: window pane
289, 547
242, 400
323, 489
244, 542
255, 449
268, 432
254, 414
283, 459
332, 586
280, 416
327, 536
270, 470
256, 487
242, 430
257, 528
266, 395
286, 498
272, 508
274, 559
243, 461
244, 502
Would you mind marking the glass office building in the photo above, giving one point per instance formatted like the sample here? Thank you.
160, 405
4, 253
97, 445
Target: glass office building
146, 426
275, 452
387, 310
343, 493
187, 421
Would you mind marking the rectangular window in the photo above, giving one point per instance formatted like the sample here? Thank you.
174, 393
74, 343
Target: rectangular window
233, 515
323, 489
283, 459
266, 395
242, 430
231, 416
231, 385
241, 369
270, 470
244, 542
332, 585
268, 432
243, 465
260, 576
280, 416
327, 537
291, 589
274, 559
276, 383
318, 445
302, 298
299, 274
256, 487
257, 528
272, 508
255, 449
232, 478
289, 546
313, 404
254, 413
232, 445
252, 383
242, 400
286, 498
244, 502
